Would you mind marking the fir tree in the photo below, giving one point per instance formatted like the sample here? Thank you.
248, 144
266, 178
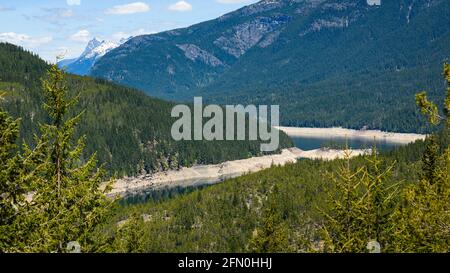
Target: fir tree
272, 237
360, 206
69, 199
11, 189
342, 226
129, 237
430, 159
379, 199
423, 218
17, 182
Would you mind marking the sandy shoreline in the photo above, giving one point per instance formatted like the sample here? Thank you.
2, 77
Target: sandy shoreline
211, 174
337, 132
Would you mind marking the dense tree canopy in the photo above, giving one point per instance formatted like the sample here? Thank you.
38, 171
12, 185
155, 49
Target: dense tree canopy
129, 131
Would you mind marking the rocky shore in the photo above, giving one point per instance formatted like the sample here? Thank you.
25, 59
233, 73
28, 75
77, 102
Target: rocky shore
337, 132
211, 174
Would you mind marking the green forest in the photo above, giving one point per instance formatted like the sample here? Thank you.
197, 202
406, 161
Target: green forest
396, 201
129, 131
52, 195
296, 208
363, 74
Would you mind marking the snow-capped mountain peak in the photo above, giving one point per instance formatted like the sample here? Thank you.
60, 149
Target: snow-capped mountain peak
94, 50
92, 44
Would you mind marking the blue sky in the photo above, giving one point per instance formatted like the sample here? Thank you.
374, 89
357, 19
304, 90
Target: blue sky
53, 27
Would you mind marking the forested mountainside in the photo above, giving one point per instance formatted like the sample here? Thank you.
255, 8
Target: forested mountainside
129, 130
326, 62
226, 217
396, 201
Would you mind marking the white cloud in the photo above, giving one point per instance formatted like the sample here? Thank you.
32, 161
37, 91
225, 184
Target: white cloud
82, 36
73, 2
131, 8
181, 6
234, 1
124, 35
24, 40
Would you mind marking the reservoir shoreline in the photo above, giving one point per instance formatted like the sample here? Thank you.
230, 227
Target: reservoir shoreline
339, 132
213, 174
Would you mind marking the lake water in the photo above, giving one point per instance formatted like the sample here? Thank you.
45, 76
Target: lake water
304, 143
311, 143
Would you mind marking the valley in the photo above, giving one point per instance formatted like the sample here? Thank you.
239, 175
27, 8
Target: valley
129, 131
146, 141
213, 174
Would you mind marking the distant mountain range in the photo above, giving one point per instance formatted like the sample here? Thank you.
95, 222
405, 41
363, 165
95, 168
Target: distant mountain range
352, 63
95, 49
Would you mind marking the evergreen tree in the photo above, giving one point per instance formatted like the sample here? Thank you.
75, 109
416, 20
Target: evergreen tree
379, 200
360, 206
424, 216
11, 189
342, 228
129, 237
17, 181
272, 237
430, 159
69, 199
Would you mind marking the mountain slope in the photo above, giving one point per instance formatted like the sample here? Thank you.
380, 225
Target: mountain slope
326, 62
129, 130
223, 218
